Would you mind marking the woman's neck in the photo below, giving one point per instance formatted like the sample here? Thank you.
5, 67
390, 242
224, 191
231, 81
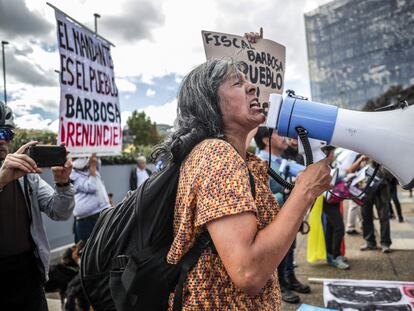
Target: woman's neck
238, 142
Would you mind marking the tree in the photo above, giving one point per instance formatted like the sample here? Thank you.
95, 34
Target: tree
143, 131
22, 136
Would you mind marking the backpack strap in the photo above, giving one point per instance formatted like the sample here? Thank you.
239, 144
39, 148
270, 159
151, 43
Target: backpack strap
252, 186
187, 263
190, 259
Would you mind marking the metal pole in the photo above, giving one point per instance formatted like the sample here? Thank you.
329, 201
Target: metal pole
96, 15
79, 23
3, 43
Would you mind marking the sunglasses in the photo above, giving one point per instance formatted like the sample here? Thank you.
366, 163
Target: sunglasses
6, 134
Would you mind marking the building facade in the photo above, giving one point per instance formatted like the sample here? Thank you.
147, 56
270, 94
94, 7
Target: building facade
358, 49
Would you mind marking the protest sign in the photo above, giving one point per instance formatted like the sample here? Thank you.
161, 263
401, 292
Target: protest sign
89, 113
265, 60
368, 295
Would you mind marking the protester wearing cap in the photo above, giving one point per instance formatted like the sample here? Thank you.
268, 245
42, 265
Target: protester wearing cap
139, 174
91, 196
24, 248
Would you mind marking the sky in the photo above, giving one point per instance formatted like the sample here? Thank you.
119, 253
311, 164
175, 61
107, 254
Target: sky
157, 42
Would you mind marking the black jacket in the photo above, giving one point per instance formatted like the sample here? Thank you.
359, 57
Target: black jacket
133, 179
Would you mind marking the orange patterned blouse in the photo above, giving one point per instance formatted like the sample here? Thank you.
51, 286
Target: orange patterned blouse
214, 182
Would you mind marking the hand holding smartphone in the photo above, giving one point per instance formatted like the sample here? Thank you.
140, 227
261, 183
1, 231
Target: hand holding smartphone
48, 156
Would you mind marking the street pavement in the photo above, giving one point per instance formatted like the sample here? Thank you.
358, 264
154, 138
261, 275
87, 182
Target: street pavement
369, 265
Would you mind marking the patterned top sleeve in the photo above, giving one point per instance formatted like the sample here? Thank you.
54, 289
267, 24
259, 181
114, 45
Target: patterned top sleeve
223, 183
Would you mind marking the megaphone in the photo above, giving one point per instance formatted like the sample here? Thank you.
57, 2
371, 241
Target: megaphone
387, 137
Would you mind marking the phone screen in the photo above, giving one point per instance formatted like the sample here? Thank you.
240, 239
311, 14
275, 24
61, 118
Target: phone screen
47, 156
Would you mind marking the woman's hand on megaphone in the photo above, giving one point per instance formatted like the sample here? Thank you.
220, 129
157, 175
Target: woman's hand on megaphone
314, 180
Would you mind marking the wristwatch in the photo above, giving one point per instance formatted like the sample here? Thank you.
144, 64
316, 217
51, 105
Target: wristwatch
64, 184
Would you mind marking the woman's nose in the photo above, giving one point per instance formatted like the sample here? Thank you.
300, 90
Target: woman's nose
251, 89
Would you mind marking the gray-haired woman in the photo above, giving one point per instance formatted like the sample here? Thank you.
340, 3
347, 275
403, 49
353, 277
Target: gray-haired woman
250, 234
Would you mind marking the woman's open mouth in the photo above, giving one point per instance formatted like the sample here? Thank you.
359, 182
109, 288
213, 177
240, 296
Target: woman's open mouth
255, 106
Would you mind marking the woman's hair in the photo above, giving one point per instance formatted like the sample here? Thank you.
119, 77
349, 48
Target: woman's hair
198, 109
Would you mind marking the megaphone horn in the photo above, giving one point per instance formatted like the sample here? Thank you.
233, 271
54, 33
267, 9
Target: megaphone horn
387, 137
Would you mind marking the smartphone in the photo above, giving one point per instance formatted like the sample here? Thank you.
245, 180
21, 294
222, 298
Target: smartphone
47, 156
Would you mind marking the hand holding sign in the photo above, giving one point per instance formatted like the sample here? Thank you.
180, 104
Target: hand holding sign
265, 59
252, 37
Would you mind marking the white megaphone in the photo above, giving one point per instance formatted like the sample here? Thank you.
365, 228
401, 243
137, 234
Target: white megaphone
387, 137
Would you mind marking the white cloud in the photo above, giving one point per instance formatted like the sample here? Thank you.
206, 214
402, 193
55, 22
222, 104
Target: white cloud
150, 92
164, 114
173, 44
27, 97
33, 121
124, 117
54, 126
124, 85
178, 79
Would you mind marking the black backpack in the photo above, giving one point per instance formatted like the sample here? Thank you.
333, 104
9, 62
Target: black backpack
123, 265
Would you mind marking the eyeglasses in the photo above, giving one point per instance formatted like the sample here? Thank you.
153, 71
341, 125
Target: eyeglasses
6, 134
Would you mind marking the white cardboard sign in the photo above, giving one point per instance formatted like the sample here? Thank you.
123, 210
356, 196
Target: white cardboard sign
265, 60
89, 113
349, 295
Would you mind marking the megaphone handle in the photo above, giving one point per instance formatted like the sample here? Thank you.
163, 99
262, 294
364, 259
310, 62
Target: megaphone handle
279, 179
312, 148
303, 137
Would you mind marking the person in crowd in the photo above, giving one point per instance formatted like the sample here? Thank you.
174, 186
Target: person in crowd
381, 198
353, 218
354, 210
64, 271
24, 248
286, 272
75, 296
111, 199
90, 198
335, 228
348, 162
394, 196
218, 106
139, 174
291, 152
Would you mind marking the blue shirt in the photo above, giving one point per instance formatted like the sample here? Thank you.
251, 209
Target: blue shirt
275, 187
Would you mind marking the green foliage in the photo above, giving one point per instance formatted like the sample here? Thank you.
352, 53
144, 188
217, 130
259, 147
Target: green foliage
145, 151
129, 157
124, 158
143, 131
23, 136
251, 149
